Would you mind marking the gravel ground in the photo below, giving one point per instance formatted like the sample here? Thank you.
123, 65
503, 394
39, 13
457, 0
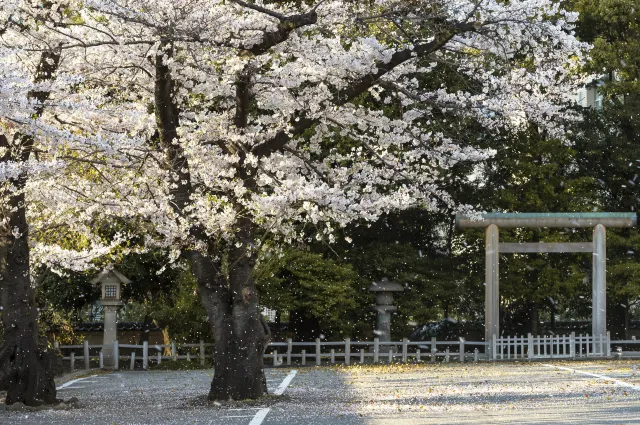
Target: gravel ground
501, 393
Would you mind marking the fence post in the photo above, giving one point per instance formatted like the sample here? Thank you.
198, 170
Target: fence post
572, 345
201, 352
304, 357
116, 355
417, 355
333, 356
390, 355
133, 361
174, 351
101, 360
405, 349
72, 357
461, 350
361, 355
608, 344
87, 364
476, 355
289, 348
347, 351
493, 347
145, 355
159, 357
56, 345
318, 353
434, 350
446, 357
188, 356
275, 357
376, 349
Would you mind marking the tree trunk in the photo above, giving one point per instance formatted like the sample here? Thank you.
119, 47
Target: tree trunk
240, 333
533, 319
147, 322
25, 370
229, 296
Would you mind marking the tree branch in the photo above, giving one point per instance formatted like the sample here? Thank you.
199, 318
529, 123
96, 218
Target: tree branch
301, 123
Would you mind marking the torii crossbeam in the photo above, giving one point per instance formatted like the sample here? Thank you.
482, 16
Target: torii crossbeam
598, 221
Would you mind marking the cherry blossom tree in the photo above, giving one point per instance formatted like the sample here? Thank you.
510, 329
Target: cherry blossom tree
36, 148
236, 127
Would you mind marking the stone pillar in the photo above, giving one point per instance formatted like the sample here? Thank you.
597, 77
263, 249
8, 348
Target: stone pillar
110, 332
599, 294
384, 306
492, 294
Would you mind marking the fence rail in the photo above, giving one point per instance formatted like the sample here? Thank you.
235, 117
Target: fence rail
347, 352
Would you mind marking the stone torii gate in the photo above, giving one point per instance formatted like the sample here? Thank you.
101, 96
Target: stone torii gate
598, 221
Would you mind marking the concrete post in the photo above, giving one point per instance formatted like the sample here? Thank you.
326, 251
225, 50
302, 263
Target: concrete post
304, 357
132, 366
289, 348
85, 345
72, 361
572, 345
461, 349
101, 360
434, 349
492, 294
318, 352
145, 355
116, 354
599, 306
376, 349
347, 351
405, 350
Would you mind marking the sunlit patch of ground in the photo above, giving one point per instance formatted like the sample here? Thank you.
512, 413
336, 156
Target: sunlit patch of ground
418, 390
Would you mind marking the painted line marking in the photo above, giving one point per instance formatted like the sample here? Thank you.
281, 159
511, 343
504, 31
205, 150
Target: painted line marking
595, 375
73, 381
248, 408
262, 413
70, 388
259, 417
283, 386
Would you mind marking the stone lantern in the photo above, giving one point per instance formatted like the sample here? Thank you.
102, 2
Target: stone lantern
384, 306
111, 288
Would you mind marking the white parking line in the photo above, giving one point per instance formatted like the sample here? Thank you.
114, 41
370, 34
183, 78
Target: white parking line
73, 381
285, 383
259, 417
262, 413
595, 375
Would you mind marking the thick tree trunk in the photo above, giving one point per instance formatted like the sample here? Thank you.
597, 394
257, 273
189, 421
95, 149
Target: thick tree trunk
240, 333
25, 370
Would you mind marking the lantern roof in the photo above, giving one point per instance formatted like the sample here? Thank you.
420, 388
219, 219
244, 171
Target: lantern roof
107, 273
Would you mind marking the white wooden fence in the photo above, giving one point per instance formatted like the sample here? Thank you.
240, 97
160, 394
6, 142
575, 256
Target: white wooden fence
349, 352
549, 347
